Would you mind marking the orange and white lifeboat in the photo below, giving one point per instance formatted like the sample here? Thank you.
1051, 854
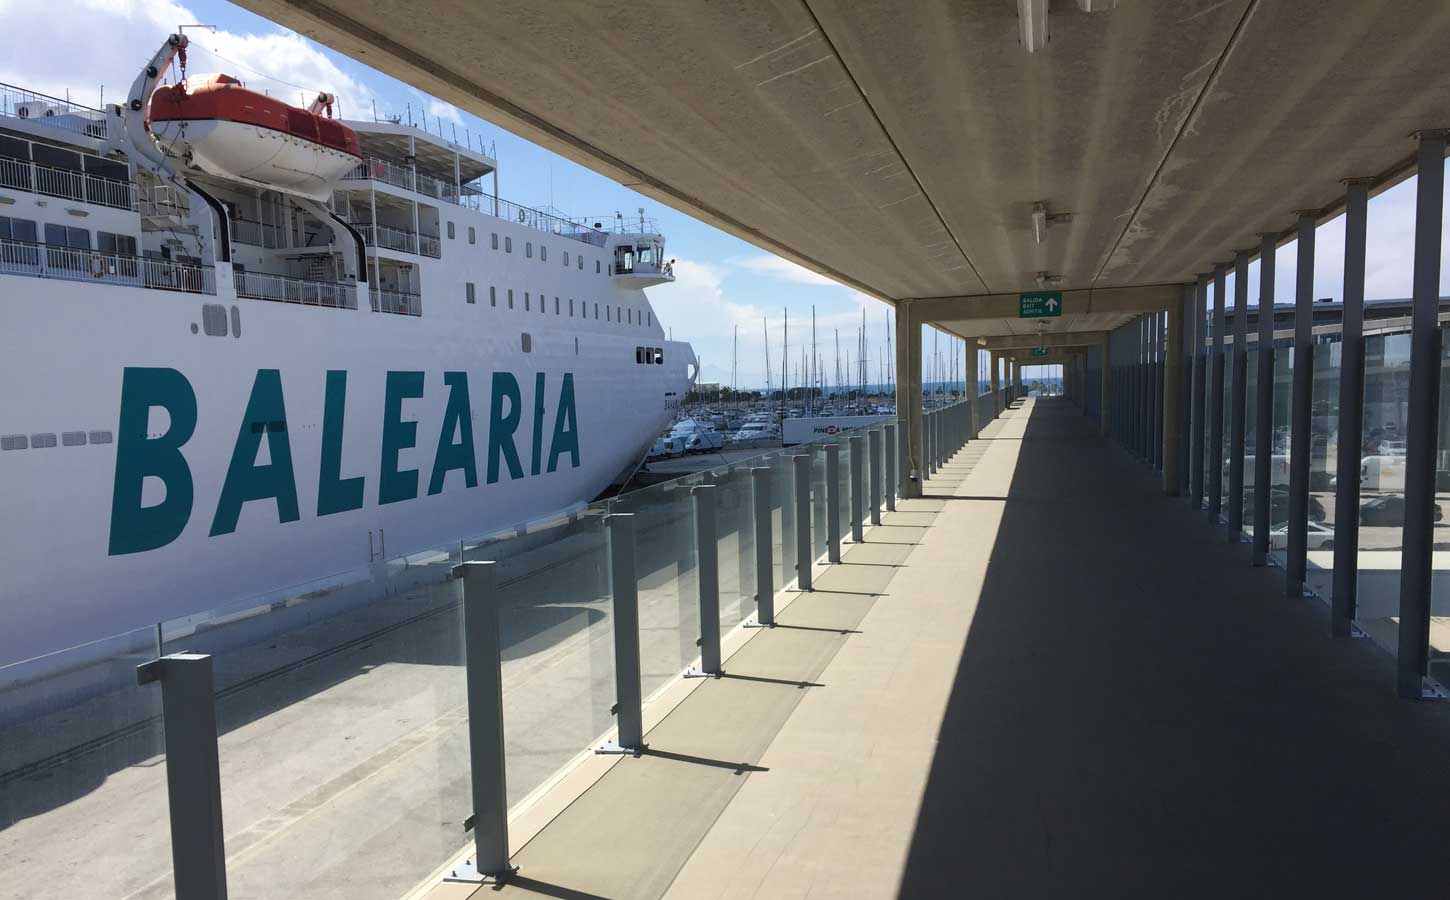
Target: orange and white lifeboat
226, 130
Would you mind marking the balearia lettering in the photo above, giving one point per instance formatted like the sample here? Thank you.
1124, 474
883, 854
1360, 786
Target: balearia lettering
136, 528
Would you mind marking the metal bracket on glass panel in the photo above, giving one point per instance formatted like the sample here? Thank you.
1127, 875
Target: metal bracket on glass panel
753, 622
467, 873
697, 672
1356, 632
612, 747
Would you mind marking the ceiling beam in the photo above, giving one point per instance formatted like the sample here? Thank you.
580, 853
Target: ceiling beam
1047, 339
1146, 298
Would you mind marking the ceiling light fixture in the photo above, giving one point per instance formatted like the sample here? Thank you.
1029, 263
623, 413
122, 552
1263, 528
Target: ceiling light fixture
1039, 223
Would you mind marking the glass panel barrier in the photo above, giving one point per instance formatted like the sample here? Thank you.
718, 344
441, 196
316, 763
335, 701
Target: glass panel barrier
1251, 435
1323, 461
737, 545
1279, 466
1382, 486
1439, 660
83, 808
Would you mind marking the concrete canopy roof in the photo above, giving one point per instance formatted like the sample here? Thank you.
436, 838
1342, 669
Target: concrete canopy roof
900, 147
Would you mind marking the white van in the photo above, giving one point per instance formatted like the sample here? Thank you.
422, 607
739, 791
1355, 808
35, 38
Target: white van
1382, 473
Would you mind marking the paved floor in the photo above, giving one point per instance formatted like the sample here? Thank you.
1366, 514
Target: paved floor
1063, 685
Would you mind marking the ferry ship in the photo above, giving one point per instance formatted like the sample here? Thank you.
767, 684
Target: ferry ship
250, 346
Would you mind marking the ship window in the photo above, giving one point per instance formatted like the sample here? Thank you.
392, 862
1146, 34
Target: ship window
596, 312
495, 240
450, 231
543, 253
556, 306
529, 249
17, 229
527, 341
659, 356
580, 260
511, 298
543, 305
492, 296
651, 319
67, 236
468, 289
619, 314
571, 307
597, 270
631, 317
526, 301
123, 244
576, 345
472, 235
638, 355
608, 313
566, 259
508, 244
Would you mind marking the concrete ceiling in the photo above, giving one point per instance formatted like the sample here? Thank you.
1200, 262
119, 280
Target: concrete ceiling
900, 147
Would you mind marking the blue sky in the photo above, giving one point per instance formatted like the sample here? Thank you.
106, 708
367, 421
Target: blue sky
722, 282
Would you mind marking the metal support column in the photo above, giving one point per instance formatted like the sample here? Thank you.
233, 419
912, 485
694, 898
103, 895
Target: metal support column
629, 698
1421, 420
873, 441
764, 564
1197, 405
903, 466
1172, 400
1299, 411
908, 391
833, 503
193, 773
1238, 398
801, 467
996, 377
888, 458
1264, 401
1351, 411
707, 566
484, 673
1215, 393
856, 498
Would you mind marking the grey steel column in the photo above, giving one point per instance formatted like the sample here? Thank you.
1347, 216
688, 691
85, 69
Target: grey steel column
908, 393
1238, 388
1105, 377
857, 448
193, 774
1351, 412
801, 467
1422, 416
873, 441
1215, 397
1197, 405
1264, 401
764, 564
928, 458
1299, 413
1172, 402
484, 674
629, 699
888, 457
707, 565
833, 503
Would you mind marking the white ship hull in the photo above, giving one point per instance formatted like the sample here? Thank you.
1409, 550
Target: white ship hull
64, 351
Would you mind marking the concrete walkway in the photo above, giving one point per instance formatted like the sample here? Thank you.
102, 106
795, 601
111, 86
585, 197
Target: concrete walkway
1045, 679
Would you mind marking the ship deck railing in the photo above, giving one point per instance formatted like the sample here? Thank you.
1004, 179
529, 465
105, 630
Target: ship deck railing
18, 103
256, 234
285, 289
24, 175
80, 264
390, 238
472, 197
400, 303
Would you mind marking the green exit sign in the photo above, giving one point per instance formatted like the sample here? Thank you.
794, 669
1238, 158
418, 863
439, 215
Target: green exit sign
1040, 305
1039, 351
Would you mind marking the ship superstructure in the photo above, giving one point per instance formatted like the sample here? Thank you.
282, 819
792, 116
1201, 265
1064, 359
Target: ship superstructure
245, 354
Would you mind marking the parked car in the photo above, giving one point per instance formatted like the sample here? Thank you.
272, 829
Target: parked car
667, 448
1320, 537
704, 442
1388, 510
1392, 448
755, 431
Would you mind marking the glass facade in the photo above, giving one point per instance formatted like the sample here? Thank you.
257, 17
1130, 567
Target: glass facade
1382, 485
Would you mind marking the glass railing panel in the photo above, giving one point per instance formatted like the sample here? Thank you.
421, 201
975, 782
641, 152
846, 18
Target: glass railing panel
1323, 460
1439, 659
820, 541
1279, 464
342, 721
668, 577
782, 518
82, 765
1382, 486
843, 486
556, 635
736, 532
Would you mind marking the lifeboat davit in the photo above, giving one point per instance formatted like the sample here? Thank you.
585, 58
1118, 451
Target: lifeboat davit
226, 130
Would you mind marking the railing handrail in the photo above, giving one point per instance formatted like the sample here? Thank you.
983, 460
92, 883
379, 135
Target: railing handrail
289, 289
52, 181
39, 260
94, 119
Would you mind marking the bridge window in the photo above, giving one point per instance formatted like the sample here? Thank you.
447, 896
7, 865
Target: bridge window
468, 291
495, 240
472, 235
17, 229
450, 231
123, 244
659, 356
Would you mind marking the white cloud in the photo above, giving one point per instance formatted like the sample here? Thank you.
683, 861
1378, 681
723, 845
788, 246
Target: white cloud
784, 269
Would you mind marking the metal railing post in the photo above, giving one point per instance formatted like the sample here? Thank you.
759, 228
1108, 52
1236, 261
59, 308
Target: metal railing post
193, 776
801, 466
856, 498
484, 674
629, 702
833, 503
764, 571
873, 439
889, 458
707, 566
